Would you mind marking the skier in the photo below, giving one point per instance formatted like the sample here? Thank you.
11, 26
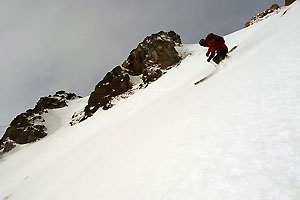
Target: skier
217, 44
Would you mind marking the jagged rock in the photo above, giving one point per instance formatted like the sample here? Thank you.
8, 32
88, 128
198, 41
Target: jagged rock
25, 128
156, 50
289, 2
114, 83
150, 75
274, 7
29, 126
155, 54
261, 15
7, 146
58, 100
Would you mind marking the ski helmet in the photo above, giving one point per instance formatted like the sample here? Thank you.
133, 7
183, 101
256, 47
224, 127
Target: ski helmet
202, 42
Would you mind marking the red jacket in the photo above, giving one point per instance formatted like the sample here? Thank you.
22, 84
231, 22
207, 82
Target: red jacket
214, 46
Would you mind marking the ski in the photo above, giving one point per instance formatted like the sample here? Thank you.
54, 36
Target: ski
216, 69
232, 49
206, 77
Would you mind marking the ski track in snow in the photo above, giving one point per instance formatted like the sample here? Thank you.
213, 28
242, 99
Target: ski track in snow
234, 136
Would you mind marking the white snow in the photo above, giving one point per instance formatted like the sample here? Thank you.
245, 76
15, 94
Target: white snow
2, 130
234, 136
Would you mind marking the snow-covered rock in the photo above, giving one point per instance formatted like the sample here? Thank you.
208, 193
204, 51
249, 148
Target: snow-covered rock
234, 136
30, 126
147, 62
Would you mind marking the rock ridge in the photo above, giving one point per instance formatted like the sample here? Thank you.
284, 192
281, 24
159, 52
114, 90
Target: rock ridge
146, 63
30, 126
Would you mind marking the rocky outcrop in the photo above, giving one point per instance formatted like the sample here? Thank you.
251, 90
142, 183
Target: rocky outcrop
58, 100
148, 61
145, 64
113, 84
30, 126
262, 15
289, 2
157, 50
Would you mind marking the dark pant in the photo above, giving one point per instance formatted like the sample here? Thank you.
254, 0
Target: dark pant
221, 56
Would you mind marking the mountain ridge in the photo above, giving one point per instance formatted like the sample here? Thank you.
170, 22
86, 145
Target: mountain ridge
145, 64
234, 136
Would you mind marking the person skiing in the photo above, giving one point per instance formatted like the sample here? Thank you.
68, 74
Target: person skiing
215, 44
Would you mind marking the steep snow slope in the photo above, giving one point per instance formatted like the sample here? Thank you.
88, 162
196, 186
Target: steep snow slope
234, 136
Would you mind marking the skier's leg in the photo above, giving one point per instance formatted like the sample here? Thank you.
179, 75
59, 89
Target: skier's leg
217, 59
223, 53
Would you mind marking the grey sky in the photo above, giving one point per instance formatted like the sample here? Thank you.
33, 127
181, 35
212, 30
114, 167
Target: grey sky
52, 45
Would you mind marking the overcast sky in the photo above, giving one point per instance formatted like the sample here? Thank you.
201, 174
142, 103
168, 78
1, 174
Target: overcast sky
51, 45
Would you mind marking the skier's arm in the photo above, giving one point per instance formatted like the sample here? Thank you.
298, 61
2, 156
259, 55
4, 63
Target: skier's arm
207, 53
211, 50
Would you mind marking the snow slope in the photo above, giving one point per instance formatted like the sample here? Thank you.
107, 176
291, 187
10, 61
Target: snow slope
234, 136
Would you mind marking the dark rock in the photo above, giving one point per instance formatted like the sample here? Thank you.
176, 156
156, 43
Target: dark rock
274, 7
25, 128
157, 49
289, 2
150, 75
58, 100
29, 126
113, 84
248, 23
261, 15
7, 146
155, 54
